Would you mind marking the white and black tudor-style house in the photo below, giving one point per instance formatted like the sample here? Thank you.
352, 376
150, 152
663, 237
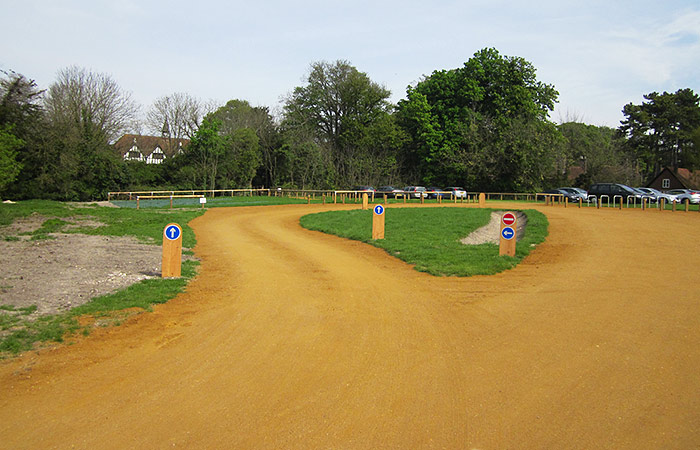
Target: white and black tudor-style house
149, 149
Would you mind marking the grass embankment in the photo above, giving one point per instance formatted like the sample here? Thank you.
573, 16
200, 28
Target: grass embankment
20, 332
430, 237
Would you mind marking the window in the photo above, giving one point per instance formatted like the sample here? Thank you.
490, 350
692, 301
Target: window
666, 183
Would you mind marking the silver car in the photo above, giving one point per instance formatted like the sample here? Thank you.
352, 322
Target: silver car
685, 195
655, 195
415, 191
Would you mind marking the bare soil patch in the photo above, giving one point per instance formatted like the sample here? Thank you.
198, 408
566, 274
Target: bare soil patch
66, 271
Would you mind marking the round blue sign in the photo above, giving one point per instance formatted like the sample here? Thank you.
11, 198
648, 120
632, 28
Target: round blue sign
379, 210
507, 233
172, 232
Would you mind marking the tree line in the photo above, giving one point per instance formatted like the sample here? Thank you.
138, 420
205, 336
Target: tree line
484, 126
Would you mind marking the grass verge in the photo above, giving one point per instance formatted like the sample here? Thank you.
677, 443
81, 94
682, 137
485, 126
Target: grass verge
21, 331
429, 237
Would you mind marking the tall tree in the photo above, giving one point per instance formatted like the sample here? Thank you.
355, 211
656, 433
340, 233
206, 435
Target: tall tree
85, 111
598, 151
483, 124
338, 106
660, 131
21, 130
9, 166
239, 115
176, 117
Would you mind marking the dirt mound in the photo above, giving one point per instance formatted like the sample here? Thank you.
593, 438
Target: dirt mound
490, 233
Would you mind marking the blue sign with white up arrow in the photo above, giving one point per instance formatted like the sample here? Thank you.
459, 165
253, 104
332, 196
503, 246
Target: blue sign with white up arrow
172, 232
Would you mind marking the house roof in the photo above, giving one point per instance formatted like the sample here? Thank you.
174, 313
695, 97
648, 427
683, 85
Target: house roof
688, 178
147, 144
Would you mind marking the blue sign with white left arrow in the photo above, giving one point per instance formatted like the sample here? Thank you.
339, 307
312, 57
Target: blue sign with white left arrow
507, 233
172, 232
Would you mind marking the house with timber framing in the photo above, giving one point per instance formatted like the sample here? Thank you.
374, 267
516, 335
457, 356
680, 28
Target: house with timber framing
149, 149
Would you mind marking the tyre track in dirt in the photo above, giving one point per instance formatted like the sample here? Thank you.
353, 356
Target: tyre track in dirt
293, 339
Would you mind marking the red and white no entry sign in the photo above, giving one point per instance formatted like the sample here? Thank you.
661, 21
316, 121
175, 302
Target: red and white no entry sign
508, 219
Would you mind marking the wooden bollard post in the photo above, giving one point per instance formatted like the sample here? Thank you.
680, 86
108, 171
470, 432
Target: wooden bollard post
138, 199
378, 222
482, 200
687, 206
662, 204
580, 202
308, 199
673, 206
171, 202
385, 199
172, 251
507, 241
421, 197
620, 203
323, 199
365, 201
566, 202
644, 203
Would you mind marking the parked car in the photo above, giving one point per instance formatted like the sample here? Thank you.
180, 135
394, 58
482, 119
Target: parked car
612, 190
367, 189
435, 192
582, 193
415, 191
389, 191
654, 195
685, 195
572, 196
456, 191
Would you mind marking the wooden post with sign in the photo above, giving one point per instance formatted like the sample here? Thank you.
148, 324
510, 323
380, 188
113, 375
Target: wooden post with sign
509, 222
172, 251
378, 222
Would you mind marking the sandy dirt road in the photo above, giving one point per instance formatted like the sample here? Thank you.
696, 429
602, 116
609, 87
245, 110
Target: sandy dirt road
293, 339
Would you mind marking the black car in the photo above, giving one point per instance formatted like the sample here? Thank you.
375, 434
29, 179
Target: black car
389, 191
613, 190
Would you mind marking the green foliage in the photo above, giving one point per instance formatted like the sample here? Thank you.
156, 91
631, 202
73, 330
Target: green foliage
429, 237
599, 152
9, 166
345, 115
661, 132
484, 125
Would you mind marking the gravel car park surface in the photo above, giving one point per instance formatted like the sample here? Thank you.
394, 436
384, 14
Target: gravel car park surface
591, 342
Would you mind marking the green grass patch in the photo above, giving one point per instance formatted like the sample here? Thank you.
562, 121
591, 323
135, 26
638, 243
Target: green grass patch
429, 237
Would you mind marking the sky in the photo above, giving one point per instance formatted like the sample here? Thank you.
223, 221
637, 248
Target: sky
599, 55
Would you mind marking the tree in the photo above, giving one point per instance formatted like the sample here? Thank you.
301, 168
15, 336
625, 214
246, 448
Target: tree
239, 115
21, 130
598, 151
336, 108
204, 155
484, 125
85, 111
660, 132
176, 117
9, 166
